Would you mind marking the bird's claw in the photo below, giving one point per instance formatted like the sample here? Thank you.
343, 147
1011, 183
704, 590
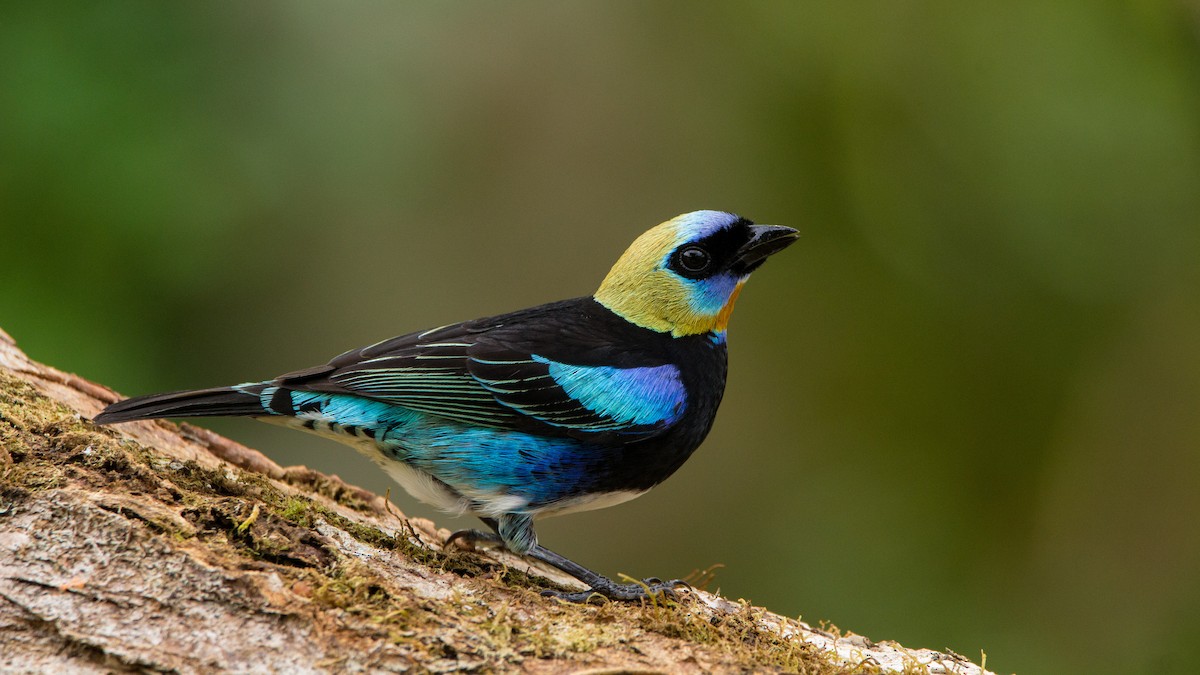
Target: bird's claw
471, 540
649, 588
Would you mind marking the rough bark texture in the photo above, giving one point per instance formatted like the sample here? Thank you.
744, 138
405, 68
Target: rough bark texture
164, 547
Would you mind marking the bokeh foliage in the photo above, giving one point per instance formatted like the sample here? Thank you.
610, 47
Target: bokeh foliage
964, 411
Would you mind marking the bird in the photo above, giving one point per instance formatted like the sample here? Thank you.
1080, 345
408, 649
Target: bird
568, 406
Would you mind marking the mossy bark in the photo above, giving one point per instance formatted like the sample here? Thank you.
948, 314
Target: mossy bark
164, 547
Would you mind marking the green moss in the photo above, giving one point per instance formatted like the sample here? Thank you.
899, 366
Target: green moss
296, 510
359, 594
331, 488
371, 536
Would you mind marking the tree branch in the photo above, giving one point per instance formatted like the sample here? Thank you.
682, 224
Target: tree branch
159, 546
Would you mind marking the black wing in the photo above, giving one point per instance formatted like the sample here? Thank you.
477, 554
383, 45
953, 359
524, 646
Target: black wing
554, 368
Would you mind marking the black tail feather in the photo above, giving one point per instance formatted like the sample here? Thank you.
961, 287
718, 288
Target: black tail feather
216, 402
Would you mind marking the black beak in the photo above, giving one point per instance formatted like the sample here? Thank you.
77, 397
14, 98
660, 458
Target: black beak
764, 241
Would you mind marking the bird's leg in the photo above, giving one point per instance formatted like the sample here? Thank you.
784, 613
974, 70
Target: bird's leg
599, 584
515, 531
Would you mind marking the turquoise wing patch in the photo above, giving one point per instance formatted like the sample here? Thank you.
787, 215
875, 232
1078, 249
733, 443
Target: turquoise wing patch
598, 399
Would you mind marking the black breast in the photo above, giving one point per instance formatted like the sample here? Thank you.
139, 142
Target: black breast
703, 364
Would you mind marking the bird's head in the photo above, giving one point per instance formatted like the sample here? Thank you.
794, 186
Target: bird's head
683, 276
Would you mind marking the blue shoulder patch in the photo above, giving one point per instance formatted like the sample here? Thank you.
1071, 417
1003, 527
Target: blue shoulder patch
651, 395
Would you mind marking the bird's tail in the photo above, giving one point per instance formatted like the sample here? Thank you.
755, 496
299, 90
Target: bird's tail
240, 401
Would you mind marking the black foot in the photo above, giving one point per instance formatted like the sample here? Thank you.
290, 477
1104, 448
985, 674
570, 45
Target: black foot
601, 587
649, 589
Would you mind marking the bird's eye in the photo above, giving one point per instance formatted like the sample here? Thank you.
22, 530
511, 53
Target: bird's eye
694, 259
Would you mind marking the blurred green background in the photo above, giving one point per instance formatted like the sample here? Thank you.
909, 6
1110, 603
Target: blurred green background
964, 410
